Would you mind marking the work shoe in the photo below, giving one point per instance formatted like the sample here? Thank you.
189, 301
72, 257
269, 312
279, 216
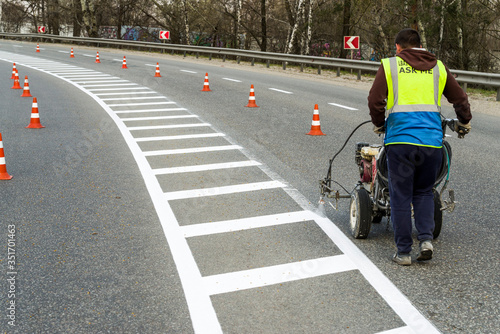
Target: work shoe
426, 251
403, 259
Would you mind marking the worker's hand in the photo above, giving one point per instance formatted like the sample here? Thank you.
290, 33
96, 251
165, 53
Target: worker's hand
379, 130
462, 129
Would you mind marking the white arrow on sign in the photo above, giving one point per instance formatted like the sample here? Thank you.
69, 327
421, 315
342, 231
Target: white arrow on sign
351, 42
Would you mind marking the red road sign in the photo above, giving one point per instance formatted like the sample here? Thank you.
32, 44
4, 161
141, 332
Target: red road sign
351, 42
164, 34
41, 29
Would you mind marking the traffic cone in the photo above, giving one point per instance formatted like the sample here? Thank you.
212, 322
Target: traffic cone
72, 55
16, 82
35, 117
14, 70
206, 86
37, 47
3, 168
26, 89
315, 126
251, 99
124, 65
97, 58
157, 72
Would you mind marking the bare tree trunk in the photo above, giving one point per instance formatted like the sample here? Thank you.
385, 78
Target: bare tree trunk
300, 8
460, 36
89, 17
263, 25
441, 29
237, 23
385, 46
77, 18
346, 26
309, 27
186, 22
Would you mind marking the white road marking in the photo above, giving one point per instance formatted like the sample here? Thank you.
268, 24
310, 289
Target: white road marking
188, 71
254, 278
229, 79
171, 126
180, 137
233, 225
133, 98
207, 167
203, 316
138, 104
109, 85
183, 194
280, 91
149, 110
122, 93
118, 89
342, 106
193, 150
157, 117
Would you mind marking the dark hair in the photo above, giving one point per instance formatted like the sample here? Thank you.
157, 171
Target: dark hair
408, 38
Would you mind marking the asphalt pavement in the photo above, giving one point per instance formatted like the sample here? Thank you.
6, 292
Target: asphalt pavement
145, 205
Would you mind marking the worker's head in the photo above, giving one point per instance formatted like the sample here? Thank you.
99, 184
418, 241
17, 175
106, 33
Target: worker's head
407, 38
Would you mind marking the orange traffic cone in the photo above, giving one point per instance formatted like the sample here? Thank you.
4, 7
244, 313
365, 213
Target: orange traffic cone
35, 117
16, 82
14, 70
26, 89
315, 126
37, 47
97, 58
157, 72
251, 99
72, 55
124, 65
206, 86
3, 168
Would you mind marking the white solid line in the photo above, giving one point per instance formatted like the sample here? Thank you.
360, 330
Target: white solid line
193, 150
183, 194
385, 288
157, 117
231, 79
138, 104
341, 106
233, 225
134, 98
100, 81
171, 126
254, 278
87, 75
188, 71
399, 330
122, 88
149, 110
121, 93
110, 85
160, 138
207, 167
281, 91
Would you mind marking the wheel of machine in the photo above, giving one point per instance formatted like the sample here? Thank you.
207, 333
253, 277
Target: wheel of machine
438, 214
360, 214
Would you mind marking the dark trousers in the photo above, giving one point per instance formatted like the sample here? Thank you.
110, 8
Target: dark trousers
412, 173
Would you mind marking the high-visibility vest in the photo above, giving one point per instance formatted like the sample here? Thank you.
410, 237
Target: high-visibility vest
413, 103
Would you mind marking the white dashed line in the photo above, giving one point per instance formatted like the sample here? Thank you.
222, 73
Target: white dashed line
280, 91
229, 79
342, 106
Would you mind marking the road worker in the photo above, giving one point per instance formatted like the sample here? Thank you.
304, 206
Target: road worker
405, 104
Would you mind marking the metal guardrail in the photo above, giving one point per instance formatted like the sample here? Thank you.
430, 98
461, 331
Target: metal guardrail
463, 77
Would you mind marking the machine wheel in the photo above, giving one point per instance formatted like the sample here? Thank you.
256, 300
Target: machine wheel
438, 214
360, 214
